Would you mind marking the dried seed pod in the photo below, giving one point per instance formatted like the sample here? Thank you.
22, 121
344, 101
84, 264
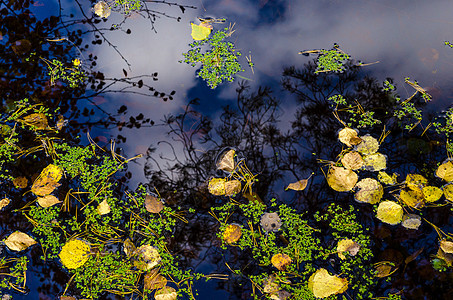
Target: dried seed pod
270, 222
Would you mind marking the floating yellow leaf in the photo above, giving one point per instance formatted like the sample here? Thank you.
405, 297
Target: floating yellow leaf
369, 145
232, 187
200, 32
323, 285
369, 191
4, 202
216, 186
20, 182
352, 160
432, 193
18, 241
129, 247
74, 254
39, 121
341, 179
103, 208
445, 171
412, 197
226, 161
375, 162
48, 201
281, 261
232, 233
146, 257
415, 181
448, 191
411, 221
47, 181
298, 185
166, 293
390, 212
386, 178
102, 9
347, 245
153, 204
154, 281
348, 136
446, 246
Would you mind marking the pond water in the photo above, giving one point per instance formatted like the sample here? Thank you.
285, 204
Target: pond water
276, 116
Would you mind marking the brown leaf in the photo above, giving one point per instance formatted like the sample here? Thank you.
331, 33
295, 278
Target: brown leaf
297, 186
39, 121
19, 241
4, 202
20, 182
154, 281
153, 204
413, 256
347, 245
383, 270
47, 181
226, 161
346, 134
232, 187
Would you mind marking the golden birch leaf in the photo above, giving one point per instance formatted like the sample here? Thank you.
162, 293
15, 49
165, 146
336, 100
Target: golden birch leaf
232, 187
226, 161
153, 204
369, 145
347, 245
369, 191
166, 293
448, 191
200, 32
281, 261
390, 212
146, 257
74, 253
4, 202
47, 181
346, 134
297, 186
341, 179
352, 160
154, 281
386, 178
323, 285
18, 241
432, 193
48, 201
102, 9
445, 171
446, 246
412, 197
375, 162
232, 234
411, 221
103, 208
415, 181
39, 121
216, 186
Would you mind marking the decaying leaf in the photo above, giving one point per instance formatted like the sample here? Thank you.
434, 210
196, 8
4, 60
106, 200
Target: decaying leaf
413, 256
200, 32
375, 162
270, 285
226, 161
280, 295
281, 261
448, 191
270, 222
387, 179
412, 197
216, 186
446, 246
103, 208
445, 171
128, 247
323, 285
4, 202
166, 293
352, 160
411, 221
48, 201
146, 257
38, 120
102, 9
298, 185
232, 233
369, 191
432, 193
232, 187
154, 281
153, 204
446, 257
383, 269
348, 136
369, 145
390, 212
20, 182
18, 241
47, 181
347, 245
74, 253
341, 179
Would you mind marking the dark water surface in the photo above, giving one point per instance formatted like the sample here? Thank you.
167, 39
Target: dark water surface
280, 110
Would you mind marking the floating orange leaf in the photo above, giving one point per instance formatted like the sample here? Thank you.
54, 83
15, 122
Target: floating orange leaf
153, 204
298, 185
232, 233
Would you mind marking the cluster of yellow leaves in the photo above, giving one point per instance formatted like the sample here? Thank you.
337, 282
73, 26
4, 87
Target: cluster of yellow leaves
74, 253
323, 285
